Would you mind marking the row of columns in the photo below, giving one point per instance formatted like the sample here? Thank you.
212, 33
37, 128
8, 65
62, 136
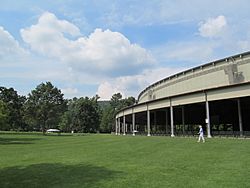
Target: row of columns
118, 127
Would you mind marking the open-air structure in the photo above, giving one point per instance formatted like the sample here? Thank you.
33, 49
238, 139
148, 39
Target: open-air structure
215, 95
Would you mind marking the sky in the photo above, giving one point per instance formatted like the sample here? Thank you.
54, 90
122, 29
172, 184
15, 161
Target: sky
89, 47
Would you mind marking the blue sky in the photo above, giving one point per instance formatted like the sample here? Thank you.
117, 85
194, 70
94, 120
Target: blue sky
88, 47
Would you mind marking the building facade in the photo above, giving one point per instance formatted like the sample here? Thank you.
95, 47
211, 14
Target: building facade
215, 95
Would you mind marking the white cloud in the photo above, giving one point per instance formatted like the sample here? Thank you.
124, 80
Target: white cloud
101, 53
107, 89
70, 92
132, 85
21, 67
213, 27
98, 58
9, 48
48, 35
107, 52
108, 58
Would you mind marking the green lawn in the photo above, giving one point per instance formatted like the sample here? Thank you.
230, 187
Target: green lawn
122, 161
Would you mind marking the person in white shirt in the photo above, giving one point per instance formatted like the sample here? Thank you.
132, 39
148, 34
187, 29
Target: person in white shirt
201, 134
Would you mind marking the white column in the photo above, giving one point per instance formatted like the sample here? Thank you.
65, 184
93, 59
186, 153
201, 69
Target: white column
172, 119
124, 124
240, 117
133, 123
148, 120
208, 117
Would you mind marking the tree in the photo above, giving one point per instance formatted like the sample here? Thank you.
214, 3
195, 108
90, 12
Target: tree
83, 115
87, 115
14, 104
115, 101
118, 103
66, 123
128, 101
45, 106
108, 114
107, 119
4, 113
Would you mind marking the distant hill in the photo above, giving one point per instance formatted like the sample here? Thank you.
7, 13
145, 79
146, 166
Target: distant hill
103, 104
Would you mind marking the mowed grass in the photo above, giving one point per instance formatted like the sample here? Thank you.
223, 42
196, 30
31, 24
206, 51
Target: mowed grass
122, 161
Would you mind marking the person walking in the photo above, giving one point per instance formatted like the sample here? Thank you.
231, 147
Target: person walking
201, 135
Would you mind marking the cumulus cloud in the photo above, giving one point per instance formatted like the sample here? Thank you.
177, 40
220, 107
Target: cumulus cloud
107, 89
132, 85
213, 27
100, 53
9, 47
70, 92
48, 35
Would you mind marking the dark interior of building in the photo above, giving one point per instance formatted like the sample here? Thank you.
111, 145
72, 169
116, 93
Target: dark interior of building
225, 118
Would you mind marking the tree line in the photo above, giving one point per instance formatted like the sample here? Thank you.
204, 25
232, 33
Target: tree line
45, 107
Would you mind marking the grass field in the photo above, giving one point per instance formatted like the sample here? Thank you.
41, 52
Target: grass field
122, 161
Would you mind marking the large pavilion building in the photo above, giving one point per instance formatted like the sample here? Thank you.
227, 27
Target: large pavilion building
215, 95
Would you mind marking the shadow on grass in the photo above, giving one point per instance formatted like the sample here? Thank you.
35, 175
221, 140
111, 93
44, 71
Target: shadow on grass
5, 141
56, 175
56, 134
20, 133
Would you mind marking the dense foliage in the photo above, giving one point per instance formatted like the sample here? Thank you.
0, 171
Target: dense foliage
12, 107
4, 114
45, 107
82, 115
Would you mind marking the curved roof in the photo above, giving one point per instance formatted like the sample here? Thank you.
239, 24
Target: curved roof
230, 58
